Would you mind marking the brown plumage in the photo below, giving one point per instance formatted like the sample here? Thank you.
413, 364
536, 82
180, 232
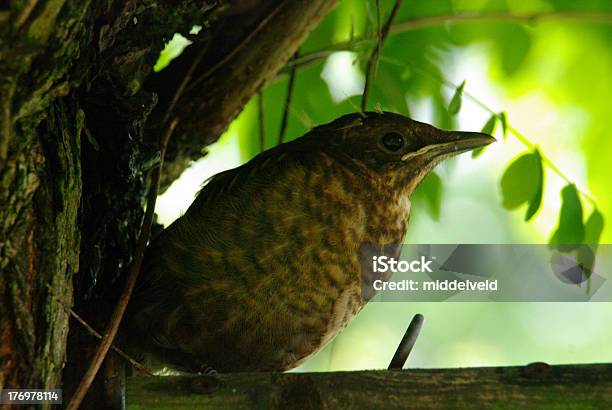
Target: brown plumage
263, 269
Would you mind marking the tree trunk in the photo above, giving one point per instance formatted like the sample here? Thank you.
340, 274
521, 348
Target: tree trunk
80, 116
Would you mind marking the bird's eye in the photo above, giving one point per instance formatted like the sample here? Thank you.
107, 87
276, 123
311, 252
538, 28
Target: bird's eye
393, 141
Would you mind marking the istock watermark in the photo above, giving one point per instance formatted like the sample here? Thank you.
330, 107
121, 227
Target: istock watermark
483, 272
387, 264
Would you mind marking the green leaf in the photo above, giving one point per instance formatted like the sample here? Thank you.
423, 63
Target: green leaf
522, 182
488, 128
455, 103
513, 44
570, 231
585, 258
503, 118
593, 228
430, 190
592, 233
536, 201
477, 152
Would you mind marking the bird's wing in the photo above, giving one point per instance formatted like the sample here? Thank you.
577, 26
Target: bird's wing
274, 160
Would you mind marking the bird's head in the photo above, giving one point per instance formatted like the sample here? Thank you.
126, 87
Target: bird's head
395, 147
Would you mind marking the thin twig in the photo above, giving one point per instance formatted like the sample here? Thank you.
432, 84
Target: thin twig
407, 343
373, 60
182, 86
378, 26
238, 47
26, 11
379, 44
134, 271
285, 118
424, 22
93, 332
517, 134
6, 95
357, 109
262, 121
306, 121
432, 21
314, 56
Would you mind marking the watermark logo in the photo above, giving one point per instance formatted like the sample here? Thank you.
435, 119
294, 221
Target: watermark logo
484, 272
384, 264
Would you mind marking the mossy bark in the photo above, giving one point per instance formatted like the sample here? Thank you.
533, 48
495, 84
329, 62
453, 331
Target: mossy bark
78, 134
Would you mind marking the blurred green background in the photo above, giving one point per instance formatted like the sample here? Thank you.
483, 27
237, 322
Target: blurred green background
548, 66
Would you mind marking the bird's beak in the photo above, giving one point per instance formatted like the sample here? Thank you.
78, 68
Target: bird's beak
444, 144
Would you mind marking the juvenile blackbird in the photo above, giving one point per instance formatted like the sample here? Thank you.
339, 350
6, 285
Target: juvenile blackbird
263, 269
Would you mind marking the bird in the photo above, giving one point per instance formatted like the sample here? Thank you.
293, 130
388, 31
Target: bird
263, 269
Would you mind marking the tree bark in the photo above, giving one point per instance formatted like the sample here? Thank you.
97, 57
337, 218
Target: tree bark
79, 121
536, 386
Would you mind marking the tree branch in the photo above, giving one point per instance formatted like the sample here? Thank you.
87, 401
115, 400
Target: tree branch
425, 22
226, 58
254, 57
432, 21
535, 386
